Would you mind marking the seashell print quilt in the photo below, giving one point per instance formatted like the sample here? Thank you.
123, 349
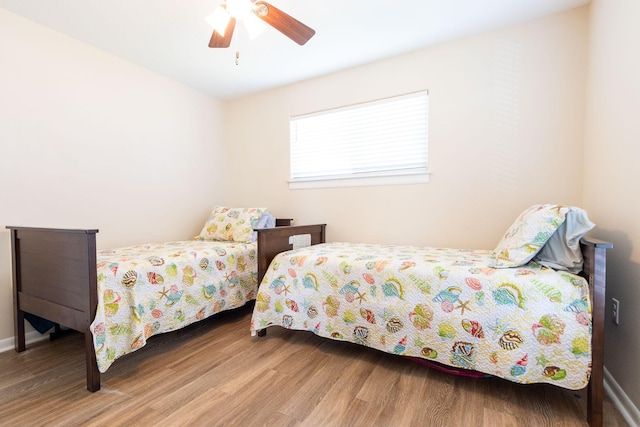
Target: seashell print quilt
146, 290
530, 324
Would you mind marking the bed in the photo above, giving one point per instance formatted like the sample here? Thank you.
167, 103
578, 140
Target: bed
529, 311
120, 298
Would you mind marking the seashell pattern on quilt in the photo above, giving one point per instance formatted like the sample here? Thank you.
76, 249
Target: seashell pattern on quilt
529, 324
146, 290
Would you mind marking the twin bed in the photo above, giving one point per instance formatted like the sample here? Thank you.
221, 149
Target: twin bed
530, 311
120, 298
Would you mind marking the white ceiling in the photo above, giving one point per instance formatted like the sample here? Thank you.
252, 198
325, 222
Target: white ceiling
171, 36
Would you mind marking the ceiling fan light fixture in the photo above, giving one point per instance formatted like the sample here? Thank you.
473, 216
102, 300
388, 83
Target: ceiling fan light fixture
255, 14
240, 9
261, 10
219, 19
254, 25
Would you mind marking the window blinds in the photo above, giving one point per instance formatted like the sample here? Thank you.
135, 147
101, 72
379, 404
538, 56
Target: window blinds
381, 138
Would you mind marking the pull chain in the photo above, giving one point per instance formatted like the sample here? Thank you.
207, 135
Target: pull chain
237, 43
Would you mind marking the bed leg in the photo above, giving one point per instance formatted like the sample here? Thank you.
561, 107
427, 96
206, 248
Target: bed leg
18, 330
594, 405
595, 389
93, 374
18, 315
262, 333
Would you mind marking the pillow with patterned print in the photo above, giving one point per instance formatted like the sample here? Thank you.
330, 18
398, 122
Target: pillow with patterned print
528, 234
231, 224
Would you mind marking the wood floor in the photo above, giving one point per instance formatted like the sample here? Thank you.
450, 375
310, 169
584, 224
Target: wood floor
215, 373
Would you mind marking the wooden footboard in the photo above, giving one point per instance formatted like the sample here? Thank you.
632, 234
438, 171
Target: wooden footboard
594, 270
54, 277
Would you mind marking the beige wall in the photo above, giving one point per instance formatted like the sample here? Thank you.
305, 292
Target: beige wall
505, 131
89, 140
612, 177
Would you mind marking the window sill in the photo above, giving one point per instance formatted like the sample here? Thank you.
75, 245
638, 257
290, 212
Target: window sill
421, 178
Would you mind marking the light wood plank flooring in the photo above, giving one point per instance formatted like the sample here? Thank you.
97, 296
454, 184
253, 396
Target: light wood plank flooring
215, 374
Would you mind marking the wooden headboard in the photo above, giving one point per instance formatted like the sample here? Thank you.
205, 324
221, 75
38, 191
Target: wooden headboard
272, 241
594, 270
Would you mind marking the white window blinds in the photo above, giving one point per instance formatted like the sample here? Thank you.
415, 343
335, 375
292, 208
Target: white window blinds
376, 139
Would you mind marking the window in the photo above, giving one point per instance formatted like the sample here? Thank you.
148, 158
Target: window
379, 142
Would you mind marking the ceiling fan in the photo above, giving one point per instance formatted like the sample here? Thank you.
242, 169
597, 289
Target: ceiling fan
251, 12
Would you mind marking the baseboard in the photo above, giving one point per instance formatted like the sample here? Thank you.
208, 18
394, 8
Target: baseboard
30, 338
621, 401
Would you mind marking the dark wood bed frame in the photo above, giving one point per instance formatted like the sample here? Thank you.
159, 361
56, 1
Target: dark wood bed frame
594, 270
55, 277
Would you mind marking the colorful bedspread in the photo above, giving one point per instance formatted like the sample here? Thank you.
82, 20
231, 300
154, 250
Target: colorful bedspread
527, 325
150, 289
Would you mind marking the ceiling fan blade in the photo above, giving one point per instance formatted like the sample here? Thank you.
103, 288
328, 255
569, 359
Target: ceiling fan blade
286, 24
223, 41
